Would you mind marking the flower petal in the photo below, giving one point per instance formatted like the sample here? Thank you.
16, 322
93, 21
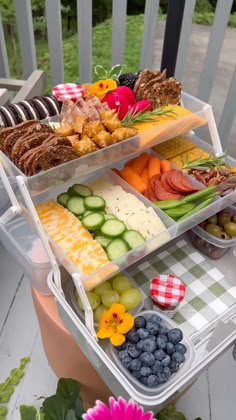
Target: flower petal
99, 412
105, 332
117, 339
117, 308
126, 324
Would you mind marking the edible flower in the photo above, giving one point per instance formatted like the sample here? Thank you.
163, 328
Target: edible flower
117, 410
100, 88
114, 323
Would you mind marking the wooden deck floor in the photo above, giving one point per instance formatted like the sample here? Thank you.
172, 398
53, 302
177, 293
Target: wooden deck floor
19, 337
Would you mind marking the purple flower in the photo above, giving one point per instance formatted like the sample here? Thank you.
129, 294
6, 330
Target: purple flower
117, 410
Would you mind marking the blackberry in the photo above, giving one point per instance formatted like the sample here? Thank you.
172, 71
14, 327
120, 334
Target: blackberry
127, 79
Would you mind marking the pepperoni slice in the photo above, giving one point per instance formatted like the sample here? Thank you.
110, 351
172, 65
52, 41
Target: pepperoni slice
187, 184
162, 194
175, 181
165, 184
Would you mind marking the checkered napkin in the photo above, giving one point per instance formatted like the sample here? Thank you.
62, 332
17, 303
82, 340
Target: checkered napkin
208, 294
68, 91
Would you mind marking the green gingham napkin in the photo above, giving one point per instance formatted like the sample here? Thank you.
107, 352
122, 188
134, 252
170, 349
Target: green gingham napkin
208, 293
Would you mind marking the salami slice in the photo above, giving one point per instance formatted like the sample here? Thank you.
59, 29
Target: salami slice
175, 181
149, 193
165, 184
162, 194
187, 184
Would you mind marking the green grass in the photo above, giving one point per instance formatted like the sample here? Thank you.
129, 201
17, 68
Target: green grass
101, 38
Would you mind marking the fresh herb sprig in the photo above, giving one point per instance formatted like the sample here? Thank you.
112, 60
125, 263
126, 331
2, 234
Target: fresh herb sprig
205, 164
146, 116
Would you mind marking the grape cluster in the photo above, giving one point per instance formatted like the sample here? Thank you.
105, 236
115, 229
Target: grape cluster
152, 352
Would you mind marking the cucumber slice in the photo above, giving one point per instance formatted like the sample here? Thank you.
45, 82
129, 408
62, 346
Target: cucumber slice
93, 221
103, 240
133, 238
113, 228
63, 198
87, 212
81, 190
76, 205
109, 216
116, 248
94, 203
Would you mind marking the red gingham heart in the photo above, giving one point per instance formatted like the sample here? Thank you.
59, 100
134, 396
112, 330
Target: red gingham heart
167, 290
68, 92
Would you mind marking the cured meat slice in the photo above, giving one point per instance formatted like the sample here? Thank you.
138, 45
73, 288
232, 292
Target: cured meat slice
175, 181
53, 156
162, 194
186, 182
165, 184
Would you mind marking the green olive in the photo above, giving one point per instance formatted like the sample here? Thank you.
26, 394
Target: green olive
213, 219
230, 228
213, 229
223, 218
234, 218
225, 236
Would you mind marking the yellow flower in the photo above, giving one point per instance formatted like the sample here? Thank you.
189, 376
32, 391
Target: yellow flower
100, 88
114, 323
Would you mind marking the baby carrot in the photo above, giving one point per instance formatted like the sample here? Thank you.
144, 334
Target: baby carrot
133, 179
116, 171
139, 163
144, 175
165, 166
154, 167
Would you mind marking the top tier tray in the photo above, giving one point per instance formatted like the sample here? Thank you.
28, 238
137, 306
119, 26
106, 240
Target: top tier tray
193, 114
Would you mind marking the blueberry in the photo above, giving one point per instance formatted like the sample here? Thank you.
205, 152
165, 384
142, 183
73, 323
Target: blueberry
152, 381
147, 359
157, 367
159, 354
156, 319
122, 347
126, 361
143, 380
163, 330
149, 345
178, 357
181, 348
152, 327
132, 350
140, 322
145, 371
167, 372
123, 353
161, 342
170, 348
161, 378
139, 345
175, 335
174, 366
142, 333
166, 361
136, 374
132, 336
152, 337
135, 365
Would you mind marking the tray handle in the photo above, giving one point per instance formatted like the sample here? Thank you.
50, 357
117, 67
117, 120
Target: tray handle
15, 208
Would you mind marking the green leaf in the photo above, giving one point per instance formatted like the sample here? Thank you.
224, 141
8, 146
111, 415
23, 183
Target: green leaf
71, 415
7, 387
170, 413
68, 389
29, 412
78, 407
55, 408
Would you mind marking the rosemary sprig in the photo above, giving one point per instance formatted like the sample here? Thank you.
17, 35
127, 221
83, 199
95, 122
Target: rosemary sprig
146, 116
204, 164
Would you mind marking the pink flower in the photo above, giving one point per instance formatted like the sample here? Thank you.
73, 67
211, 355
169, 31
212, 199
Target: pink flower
117, 410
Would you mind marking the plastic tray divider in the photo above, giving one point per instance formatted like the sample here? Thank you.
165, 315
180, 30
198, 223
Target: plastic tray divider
15, 209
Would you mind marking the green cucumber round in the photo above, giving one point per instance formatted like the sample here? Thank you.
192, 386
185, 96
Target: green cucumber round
93, 221
94, 203
113, 228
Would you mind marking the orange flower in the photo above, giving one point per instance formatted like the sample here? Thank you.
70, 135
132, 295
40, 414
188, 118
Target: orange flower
100, 88
114, 323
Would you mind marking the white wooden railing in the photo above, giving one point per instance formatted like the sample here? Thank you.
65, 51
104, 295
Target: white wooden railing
84, 22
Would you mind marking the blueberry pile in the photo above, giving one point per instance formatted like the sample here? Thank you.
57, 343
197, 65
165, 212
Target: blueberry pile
152, 352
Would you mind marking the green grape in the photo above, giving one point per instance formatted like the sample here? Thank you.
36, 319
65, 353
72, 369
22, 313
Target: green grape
101, 288
98, 312
120, 284
93, 299
109, 297
130, 298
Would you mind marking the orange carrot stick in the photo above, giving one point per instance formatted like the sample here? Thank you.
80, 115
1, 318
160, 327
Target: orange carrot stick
144, 175
130, 162
140, 162
154, 167
165, 166
116, 171
133, 179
